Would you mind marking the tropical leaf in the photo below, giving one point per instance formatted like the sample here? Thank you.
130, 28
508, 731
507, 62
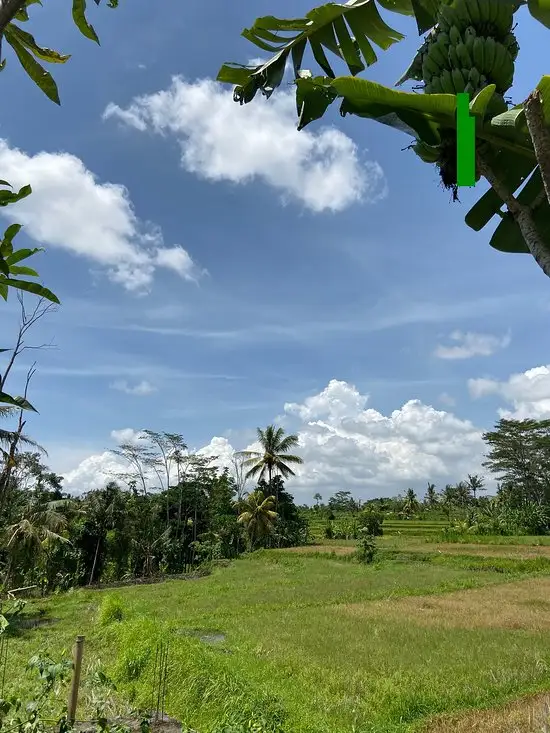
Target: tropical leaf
540, 10
22, 254
19, 402
507, 236
30, 287
10, 197
512, 169
81, 22
421, 115
345, 30
42, 78
45, 54
6, 245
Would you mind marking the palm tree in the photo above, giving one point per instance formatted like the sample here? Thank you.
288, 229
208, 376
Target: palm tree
476, 484
257, 516
38, 530
8, 437
431, 495
411, 502
273, 457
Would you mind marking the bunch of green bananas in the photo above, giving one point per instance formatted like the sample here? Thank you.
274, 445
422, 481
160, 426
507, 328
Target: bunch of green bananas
471, 46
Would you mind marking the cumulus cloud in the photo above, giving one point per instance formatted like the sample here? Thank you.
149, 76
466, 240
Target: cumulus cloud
127, 435
346, 444
528, 393
70, 209
93, 473
223, 141
141, 389
469, 344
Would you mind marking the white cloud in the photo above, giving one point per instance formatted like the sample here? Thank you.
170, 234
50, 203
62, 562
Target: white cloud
447, 399
471, 344
127, 435
70, 209
221, 140
141, 389
93, 473
346, 444
527, 392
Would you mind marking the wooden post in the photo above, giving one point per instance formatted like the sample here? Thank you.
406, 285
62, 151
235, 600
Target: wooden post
75, 682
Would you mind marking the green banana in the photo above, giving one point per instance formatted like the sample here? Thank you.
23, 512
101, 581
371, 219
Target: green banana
437, 54
453, 57
470, 32
446, 79
454, 35
474, 77
474, 10
469, 43
504, 17
489, 51
478, 55
427, 153
503, 74
429, 68
458, 80
512, 46
436, 85
463, 55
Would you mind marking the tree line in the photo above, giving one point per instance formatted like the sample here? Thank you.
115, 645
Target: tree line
171, 511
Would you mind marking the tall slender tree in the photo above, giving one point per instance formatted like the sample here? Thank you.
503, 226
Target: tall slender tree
273, 457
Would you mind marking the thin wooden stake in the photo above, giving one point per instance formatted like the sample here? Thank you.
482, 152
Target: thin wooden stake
75, 682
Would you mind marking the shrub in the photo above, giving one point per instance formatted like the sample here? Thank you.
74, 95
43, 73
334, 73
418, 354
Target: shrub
111, 609
366, 546
371, 521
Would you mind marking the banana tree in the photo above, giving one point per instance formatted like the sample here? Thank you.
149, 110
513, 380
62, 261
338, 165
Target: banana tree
469, 47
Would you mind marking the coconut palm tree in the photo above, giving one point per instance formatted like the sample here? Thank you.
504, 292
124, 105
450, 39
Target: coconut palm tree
38, 530
431, 495
257, 516
475, 484
411, 502
273, 457
8, 437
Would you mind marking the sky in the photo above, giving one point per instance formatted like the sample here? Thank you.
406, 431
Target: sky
220, 271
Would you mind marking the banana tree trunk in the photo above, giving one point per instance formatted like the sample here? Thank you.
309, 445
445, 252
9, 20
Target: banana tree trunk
540, 136
523, 215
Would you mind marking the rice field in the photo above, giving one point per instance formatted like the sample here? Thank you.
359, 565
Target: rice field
429, 638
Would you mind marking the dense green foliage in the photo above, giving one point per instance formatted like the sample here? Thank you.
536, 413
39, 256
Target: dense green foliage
134, 526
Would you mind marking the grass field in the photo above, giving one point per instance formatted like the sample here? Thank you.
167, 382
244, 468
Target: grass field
312, 642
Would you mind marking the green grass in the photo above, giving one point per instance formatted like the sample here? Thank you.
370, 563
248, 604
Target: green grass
292, 652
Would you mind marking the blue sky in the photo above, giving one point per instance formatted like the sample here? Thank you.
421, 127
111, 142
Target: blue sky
221, 284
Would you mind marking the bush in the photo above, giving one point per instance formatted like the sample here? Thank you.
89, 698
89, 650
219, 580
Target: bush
366, 546
111, 609
371, 521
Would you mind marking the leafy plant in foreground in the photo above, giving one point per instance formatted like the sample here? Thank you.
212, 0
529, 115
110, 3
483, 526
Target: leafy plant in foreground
470, 47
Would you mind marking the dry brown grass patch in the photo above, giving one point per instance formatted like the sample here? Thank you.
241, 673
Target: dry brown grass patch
309, 549
521, 605
526, 715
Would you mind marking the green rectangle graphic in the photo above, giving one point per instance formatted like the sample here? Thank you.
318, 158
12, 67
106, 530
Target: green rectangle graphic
465, 142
